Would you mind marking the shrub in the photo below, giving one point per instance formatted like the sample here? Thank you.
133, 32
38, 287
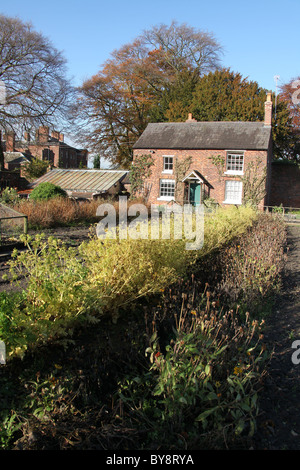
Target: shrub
57, 212
202, 388
60, 211
9, 196
252, 264
120, 272
55, 299
35, 168
67, 286
45, 191
223, 225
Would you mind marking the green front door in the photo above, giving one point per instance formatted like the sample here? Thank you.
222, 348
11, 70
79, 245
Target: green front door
195, 194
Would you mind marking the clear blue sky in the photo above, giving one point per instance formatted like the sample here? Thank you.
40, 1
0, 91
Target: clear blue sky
260, 37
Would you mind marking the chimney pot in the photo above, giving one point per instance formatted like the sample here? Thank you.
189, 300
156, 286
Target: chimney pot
268, 110
55, 135
190, 118
43, 134
10, 141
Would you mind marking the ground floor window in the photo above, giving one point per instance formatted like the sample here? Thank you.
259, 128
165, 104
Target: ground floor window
233, 192
167, 189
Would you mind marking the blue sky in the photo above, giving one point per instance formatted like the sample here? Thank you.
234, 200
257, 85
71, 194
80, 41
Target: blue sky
260, 38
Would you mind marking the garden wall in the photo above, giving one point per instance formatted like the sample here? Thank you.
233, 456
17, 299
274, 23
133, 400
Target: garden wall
285, 185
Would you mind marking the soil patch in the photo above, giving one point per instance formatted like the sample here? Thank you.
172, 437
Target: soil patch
72, 236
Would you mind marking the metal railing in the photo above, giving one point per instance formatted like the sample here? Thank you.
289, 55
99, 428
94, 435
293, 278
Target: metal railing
290, 214
8, 216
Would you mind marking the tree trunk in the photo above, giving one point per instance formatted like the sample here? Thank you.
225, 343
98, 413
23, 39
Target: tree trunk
1, 154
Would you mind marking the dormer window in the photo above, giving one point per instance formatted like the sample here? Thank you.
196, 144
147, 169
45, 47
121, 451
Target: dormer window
235, 163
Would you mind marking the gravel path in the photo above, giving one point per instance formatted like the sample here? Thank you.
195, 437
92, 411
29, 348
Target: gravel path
279, 423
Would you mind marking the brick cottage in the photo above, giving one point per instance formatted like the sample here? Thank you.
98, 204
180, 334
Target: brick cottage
194, 160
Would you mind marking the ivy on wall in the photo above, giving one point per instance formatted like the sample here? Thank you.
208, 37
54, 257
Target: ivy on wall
141, 170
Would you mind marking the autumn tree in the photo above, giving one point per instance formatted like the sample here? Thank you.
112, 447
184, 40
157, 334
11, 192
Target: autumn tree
224, 95
33, 75
290, 96
116, 104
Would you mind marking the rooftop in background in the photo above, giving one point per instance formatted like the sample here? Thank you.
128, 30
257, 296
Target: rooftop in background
46, 147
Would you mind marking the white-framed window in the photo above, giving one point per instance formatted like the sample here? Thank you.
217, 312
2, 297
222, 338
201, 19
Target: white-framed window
235, 163
166, 189
233, 192
168, 164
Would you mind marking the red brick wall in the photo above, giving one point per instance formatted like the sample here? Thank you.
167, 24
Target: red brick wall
11, 179
285, 185
201, 162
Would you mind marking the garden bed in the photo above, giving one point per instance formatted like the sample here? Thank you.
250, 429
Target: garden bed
74, 393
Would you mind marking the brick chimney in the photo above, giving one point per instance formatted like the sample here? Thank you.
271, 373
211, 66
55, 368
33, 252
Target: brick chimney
55, 135
10, 141
268, 110
27, 136
61, 137
43, 134
190, 118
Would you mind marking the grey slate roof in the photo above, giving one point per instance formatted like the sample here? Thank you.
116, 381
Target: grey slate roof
15, 157
228, 135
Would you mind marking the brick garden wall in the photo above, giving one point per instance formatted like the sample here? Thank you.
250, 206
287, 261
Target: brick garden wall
285, 185
12, 179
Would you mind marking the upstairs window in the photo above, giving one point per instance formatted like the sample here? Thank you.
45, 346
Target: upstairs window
168, 164
235, 163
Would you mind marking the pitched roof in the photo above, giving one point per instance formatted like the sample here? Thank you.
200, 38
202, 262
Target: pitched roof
82, 180
231, 135
15, 157
195, 174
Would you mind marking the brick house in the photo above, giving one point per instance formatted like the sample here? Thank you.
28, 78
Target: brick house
194, 160
44, 146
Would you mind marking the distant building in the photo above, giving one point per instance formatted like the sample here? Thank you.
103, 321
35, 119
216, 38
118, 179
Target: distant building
46, 147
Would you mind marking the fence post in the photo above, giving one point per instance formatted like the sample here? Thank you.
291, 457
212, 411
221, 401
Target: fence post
25, 225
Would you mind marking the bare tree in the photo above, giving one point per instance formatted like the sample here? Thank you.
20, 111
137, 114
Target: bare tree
34, 75
114, 106
183, 46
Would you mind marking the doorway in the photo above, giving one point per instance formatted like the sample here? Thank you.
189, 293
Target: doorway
195, 194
